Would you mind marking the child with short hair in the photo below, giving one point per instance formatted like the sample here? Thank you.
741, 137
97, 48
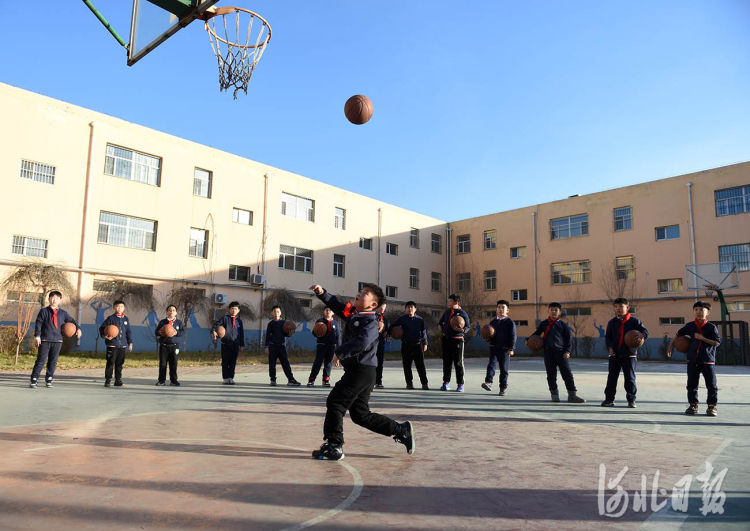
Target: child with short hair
48, 337
501, 347
413, 344
325, 349
232, 343
169, 347
557, 338
621, 357
276, 348
357, 353
453, 343
701, 358
118, 345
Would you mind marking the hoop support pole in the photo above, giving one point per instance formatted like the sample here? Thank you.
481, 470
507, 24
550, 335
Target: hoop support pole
105, 23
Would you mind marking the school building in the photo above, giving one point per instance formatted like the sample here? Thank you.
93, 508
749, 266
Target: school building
107, 200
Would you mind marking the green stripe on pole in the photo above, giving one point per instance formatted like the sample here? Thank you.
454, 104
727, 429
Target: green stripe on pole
105, 23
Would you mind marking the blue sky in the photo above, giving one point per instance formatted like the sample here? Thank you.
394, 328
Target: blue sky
480, 106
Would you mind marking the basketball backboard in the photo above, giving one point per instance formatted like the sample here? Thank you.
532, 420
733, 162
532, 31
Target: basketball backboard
712, 276
154, 21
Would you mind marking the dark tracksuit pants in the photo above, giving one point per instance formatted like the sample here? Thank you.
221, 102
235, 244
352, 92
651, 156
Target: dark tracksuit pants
229, 353
552, 361
453, 355
352, 393
167, 355
323, 356
694, 371
115, 359
278, 352
48, 353
415, 354
502, 359
380, 354
627, 366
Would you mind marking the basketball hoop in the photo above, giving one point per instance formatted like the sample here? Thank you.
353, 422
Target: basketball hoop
237, 52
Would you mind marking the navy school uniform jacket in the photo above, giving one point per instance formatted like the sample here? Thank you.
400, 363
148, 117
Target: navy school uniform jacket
45, 328
445, 326
360, 338
557, 338
179, 328
382, 336
235, 334
415, 332
332, 337
614, 337
275, 333
504, 339
122, 323
700, 352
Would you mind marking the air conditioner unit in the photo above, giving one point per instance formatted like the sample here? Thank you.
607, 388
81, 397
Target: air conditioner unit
220, 298
258, 279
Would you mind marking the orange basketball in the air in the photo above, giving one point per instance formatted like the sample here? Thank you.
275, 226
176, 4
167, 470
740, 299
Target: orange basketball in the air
320, 329
288, 328
167, 331
69, 330
535, 342
221, 331
682, 343
634, 339
111, 331
358, 109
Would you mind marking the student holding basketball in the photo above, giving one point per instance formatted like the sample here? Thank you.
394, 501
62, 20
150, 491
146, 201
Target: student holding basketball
327, 332
232, 334
701, 358
115, 330
276, 347
453, 331
48, 337
502, 342
623, 351
413, 345
168, 331
357, 353
556, 335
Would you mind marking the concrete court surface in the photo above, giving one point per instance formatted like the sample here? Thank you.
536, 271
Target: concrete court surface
207, 456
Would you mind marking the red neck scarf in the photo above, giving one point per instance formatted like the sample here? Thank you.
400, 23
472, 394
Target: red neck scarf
233, 321
622, 328
119, 314
54, 316
328, 322
550, 322
700, 326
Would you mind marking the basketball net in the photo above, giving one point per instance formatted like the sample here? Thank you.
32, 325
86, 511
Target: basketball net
236, 51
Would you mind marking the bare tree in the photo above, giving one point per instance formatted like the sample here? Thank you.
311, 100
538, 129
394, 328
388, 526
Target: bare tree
617, 278
134, 295
189, 301
291, 306
575, 316
32, 281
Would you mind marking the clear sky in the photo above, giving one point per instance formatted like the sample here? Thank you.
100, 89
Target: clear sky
480, 105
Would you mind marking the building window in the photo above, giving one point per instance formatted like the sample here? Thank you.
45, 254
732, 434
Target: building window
625, 267
670, 285
293, 206
295, 259
738, 254
28, 297
414, 238
490, 239
577, 312
339, 218
132, 165
517, 252
435, 314
464, 243
732, 201
360, 285
667, 321
436, 241
578, 272
519, 295
569, 227
413, 278
623, 219
436, 281
127, 231
239, 273
244, 217
29, 246
672, 232
338, 265
365, 243
489, 314
304, 302
391, 248
463, 282
490, 280
202, 183
198, 243
738, 306
35, 171
521, 322
391, 291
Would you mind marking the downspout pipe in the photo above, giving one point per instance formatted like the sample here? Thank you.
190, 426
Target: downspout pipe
84, 219
536, 300
449, 261
692, 230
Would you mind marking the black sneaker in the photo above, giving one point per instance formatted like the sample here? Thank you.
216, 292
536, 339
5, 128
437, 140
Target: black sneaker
711, 411
379, 386
405, 435
107, 383
502, 391
293, 383
32, 384
575, 399
329, 452
175, 383
326, 383
555, 397
487, 386
608, 403
410, 386
48, 383
118, 383
631, 404
425, 387
160, 383
273, 383
692, 409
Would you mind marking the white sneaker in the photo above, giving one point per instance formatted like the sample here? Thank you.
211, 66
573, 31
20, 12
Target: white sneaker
49, 383
225, 381
231, 381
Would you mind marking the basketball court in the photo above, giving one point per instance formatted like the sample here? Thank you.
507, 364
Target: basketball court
210, 456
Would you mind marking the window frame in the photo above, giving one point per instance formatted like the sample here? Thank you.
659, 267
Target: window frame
341, 263
131, 163
569, 224
436, 242
743, 197
391, 247
669, 285
25, 246
492, 286
584, 272
208, 183
203, 247
463, 246
462, 280
665, 229
515, 295
741, 257
301, 210
489, 237
413, 278
625, 219
436, 276
414, 238
307, 261
38, 172
236, 211
128, 230
337, 217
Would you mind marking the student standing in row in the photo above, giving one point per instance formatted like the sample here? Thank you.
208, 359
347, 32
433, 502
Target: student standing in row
48, 337
118, 345
413, 345
501, 347
232, 342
